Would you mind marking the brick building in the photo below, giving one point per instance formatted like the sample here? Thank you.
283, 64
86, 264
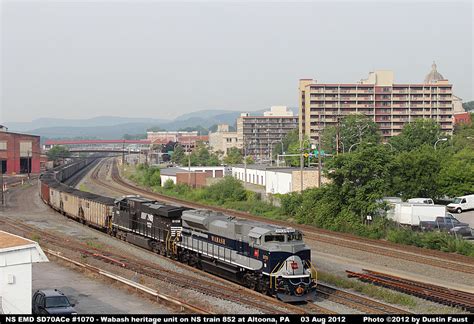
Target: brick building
389, 104
187, 139
19, 153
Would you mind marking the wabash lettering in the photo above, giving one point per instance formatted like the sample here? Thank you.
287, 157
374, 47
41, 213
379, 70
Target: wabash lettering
219, 240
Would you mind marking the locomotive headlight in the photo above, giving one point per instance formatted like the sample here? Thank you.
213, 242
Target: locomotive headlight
299, 291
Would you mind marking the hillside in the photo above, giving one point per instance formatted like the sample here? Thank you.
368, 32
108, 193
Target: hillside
113, 127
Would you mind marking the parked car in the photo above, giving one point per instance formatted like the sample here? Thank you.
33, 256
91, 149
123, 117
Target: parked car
51, 301
449, 224
461, 204
427, 201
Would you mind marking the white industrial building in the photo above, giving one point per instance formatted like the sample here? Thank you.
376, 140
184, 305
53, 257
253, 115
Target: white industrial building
16, 257
170, 173
255, 174
277, 180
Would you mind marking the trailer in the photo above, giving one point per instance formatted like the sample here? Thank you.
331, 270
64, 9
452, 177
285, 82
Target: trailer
412, 214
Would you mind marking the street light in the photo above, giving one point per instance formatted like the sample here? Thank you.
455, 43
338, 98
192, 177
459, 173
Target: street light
440, 140
271, 150
350, 148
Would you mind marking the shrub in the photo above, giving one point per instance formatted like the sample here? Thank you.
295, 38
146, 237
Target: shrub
291, 203
181, 188
228, 189
169, 184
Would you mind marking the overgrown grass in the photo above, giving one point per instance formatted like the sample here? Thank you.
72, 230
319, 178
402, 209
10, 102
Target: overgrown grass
36, 237
94, 244
431, 240
84, 187
372, 291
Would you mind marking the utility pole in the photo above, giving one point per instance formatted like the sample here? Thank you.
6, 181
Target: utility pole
319, 152
301, 165
28, 163
319, 161
338, 135
245, 165
189, 169
123, 153
1, 183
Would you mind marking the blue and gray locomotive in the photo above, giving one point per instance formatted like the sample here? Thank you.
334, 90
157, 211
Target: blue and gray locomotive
268, 258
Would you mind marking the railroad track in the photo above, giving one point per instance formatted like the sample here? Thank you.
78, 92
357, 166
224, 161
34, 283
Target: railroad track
442, 295
360, 303
308, 308
438, 259
354, 301
128, 283
222, 289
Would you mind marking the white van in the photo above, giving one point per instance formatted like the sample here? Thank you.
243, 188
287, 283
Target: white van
427, 201
461, 204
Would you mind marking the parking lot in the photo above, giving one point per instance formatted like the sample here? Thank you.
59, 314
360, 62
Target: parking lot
90, 295
466, 217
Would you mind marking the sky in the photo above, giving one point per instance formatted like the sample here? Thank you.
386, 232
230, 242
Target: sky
156, 59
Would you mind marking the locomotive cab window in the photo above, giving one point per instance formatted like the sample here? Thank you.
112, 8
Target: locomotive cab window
255, 241
295, 237
275, 238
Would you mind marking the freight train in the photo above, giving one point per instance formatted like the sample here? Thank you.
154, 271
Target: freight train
270, 259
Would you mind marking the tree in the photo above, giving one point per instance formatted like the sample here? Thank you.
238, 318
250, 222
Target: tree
201, 130
415, 173
201, 155
468, 106
291, 145
361, 178
456, 177
155, 129
228, 189
133, 136
249, 160
353, 129
464, 136
234, 156
415, 134
290, 138
58, 152
178, 154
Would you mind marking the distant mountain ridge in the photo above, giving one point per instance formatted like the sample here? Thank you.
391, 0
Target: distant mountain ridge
113, 127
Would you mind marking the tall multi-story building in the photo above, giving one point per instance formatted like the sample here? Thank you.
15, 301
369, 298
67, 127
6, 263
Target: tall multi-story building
222, 139
259, 134
389, 104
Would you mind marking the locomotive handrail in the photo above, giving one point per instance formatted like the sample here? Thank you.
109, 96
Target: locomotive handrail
314, 272
273, 275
